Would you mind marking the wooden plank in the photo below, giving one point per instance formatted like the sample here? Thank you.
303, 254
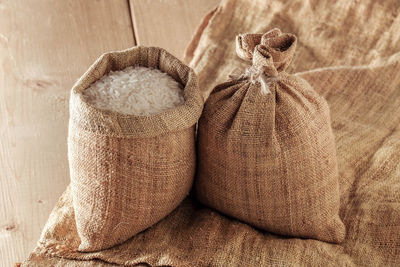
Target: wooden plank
44, 47
168, 24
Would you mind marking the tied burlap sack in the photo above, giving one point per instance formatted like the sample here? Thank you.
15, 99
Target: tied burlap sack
128, 172
266, 148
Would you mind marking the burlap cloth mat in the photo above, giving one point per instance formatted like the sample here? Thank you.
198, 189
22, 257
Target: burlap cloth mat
349, 52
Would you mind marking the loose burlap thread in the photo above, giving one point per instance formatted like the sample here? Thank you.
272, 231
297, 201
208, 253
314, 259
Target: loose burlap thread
128, 172
270, 159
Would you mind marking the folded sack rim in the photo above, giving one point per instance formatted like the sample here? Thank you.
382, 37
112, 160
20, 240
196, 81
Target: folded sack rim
113, 123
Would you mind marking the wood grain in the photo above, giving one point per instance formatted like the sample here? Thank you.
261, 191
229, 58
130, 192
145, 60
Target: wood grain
168, 24
44, 47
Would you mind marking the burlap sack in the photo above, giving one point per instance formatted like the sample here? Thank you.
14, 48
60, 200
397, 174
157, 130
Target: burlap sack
128, 172
266, 149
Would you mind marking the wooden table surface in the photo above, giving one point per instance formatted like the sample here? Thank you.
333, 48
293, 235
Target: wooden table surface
45, 46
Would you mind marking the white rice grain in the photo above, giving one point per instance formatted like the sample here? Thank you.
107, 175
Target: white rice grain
136, 91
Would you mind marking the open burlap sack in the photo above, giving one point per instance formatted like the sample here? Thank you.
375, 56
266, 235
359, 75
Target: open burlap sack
266, 149
128, 172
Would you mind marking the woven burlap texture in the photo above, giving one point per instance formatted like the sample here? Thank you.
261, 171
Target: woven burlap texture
270, 159
352, 51
128, 172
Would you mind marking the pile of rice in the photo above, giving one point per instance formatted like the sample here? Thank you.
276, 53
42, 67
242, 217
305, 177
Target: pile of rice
135, 91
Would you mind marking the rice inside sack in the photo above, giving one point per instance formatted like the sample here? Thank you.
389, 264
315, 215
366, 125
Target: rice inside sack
129, 171
135, 90
266, 149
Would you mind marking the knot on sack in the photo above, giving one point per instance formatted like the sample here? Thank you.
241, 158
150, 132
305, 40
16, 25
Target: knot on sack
270, 54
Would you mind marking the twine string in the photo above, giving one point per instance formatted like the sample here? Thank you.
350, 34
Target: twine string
254, 75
